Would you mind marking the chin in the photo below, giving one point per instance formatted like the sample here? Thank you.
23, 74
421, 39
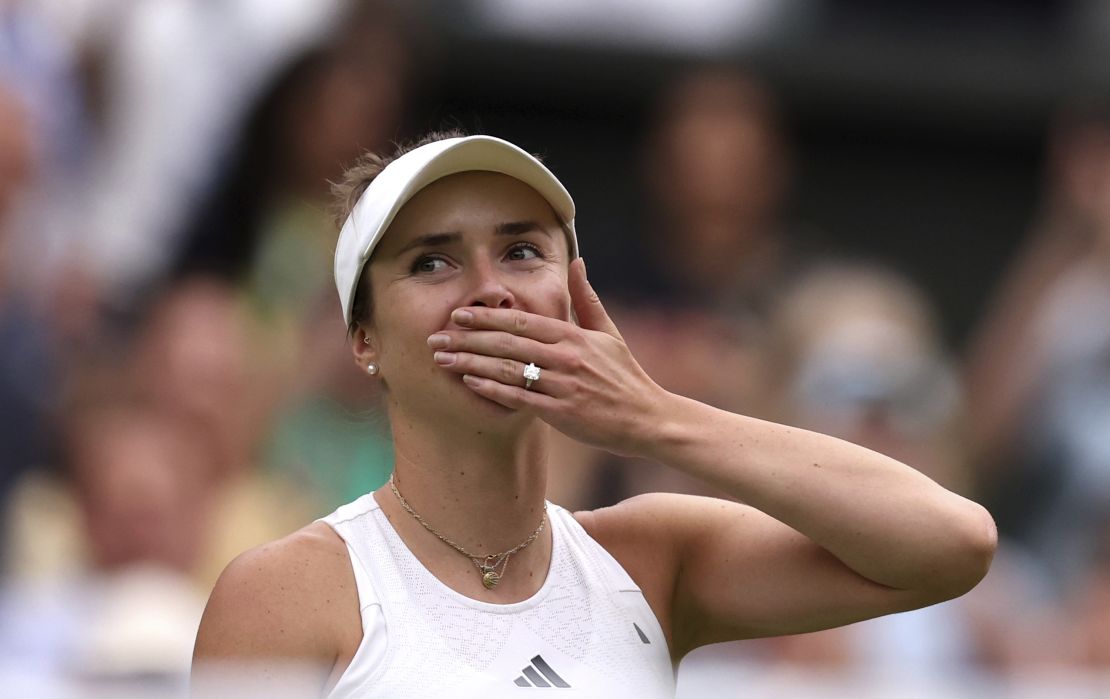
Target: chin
494, 416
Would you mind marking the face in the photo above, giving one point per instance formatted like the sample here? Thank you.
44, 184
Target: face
469, 239
141, 484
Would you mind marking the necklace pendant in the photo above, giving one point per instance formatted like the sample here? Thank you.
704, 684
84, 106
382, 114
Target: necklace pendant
490, 579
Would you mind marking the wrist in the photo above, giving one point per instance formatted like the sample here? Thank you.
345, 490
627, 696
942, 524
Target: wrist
660, 429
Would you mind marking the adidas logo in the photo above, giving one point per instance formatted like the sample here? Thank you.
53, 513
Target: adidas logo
539, 674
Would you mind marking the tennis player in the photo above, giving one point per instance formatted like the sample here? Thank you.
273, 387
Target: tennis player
459, 277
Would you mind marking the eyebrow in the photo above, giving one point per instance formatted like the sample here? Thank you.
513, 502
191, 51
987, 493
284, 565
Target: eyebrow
511, 228
520, 228
429, 240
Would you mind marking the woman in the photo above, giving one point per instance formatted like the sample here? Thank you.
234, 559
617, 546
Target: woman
458, 276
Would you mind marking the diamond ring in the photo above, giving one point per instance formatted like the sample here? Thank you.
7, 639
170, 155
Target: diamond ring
531, 375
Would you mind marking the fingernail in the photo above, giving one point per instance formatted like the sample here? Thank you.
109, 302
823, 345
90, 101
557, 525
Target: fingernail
444, 358
439, 341
462, 316
471, 380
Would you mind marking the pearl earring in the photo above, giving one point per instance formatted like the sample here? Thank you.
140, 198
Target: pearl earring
372, 369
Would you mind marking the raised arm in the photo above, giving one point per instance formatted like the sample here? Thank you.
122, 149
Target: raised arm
830, 533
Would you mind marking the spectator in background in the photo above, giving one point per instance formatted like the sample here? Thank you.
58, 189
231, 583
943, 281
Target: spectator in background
46, 308
193, 355
695, 293
1039, 367
716, 170
27, 371
124, 604
267, 227
191, 351
858, 354
198, 352
315, 115
39, 67
211, 341
175, 77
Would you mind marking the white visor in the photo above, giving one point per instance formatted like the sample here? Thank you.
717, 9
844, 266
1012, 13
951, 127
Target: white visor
418, 168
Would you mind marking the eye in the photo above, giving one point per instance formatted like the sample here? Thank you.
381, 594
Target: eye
524, 251
428, 264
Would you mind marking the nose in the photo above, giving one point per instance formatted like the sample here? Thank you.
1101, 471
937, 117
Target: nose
490, 289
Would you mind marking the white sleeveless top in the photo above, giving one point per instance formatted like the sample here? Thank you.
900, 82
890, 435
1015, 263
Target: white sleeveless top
587, 632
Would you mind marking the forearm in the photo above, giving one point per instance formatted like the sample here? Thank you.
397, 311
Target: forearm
881, 518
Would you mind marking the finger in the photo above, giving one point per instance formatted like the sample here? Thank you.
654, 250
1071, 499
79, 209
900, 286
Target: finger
587, 305
505, 371
517, 322
492, 343
509, 396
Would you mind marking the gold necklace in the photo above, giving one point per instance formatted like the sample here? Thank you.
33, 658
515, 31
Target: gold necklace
492, 567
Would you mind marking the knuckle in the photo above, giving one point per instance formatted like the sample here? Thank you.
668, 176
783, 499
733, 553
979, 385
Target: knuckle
572, 361
506, 343
519, 320
507, 370
573, 390
563, 359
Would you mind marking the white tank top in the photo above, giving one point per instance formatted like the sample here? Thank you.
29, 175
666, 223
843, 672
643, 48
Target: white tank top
587, 632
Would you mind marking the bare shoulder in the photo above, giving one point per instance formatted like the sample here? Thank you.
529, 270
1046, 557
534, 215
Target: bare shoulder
294, 598
643, 533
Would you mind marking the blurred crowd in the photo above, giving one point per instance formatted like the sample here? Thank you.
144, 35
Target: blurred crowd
176, 386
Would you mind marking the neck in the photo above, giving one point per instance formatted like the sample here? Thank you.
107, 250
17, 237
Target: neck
485, 493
